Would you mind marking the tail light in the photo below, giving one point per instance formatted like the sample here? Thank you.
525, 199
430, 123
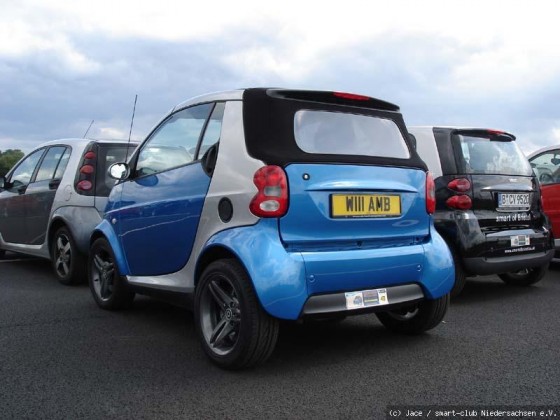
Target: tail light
430, 193
460, 200
85, 178
271, 199
460, 185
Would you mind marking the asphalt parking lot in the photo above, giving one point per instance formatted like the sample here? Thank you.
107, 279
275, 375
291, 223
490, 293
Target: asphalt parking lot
62, 357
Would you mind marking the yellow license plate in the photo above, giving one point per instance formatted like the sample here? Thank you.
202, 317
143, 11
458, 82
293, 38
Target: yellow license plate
365, 205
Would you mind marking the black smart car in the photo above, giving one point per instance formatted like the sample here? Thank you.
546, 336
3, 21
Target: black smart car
489, 207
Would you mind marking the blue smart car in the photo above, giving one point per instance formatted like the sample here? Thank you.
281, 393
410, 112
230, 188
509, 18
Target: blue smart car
264, 204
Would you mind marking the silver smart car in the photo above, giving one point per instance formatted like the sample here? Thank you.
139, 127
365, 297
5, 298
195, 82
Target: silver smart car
51, 200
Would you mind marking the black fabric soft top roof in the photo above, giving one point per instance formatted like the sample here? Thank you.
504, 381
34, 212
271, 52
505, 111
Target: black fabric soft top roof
268, 118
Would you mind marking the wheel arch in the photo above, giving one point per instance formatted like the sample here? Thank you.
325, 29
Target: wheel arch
105, 230
211, 254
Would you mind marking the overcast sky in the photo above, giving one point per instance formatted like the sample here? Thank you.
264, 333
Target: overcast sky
64, 63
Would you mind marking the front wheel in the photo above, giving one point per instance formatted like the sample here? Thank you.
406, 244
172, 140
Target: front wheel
416, 319
234, 330
525, 277
67, 262
108, 287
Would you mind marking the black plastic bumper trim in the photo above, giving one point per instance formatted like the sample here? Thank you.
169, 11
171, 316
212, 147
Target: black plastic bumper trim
497, 265
336, 302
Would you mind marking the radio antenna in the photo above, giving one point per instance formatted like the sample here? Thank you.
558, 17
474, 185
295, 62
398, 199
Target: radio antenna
131, 123
87, 131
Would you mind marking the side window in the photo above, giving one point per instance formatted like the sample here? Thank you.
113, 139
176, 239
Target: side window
213, 129
50, 163
62, 164
24, 171
547, 167
174, 143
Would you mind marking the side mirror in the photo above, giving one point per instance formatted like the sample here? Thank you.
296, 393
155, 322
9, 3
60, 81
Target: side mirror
412, 140
119, 171
2, 182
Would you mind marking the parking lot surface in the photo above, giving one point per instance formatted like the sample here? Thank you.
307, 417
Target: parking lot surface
63, 357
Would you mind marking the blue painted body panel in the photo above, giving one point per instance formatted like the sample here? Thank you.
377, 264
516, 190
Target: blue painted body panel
439, 273
309, 216
157, 218
284, 280
106, 229
278, 276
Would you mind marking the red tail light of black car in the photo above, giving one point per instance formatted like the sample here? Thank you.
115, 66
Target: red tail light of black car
460, 200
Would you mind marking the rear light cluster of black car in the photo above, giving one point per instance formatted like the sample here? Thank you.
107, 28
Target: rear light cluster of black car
460, 200
85, 178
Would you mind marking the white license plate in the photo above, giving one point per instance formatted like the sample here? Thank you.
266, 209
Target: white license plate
513, 200
520, 240
366, 298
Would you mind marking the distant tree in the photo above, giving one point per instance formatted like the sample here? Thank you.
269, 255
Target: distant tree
8, 159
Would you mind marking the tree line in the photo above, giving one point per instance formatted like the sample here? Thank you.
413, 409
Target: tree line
8, 159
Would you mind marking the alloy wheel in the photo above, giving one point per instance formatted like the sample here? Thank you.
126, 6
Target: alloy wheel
63, 255
103, 272
220, 315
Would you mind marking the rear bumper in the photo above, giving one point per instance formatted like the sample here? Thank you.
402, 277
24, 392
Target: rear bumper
290, 283
336, 302
498, 265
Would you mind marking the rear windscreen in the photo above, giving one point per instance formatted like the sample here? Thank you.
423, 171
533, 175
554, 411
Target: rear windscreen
339, 133
479, 155
107, 155
284, 127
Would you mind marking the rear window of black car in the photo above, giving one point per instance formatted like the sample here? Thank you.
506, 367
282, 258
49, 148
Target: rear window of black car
481, 155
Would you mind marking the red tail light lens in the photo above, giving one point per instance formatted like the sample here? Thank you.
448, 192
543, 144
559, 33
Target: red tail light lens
460, 202
460, 185
271, 199
430, 193
87, 169
89, 155
84, 185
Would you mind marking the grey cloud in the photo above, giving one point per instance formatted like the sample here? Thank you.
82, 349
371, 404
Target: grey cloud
42, 99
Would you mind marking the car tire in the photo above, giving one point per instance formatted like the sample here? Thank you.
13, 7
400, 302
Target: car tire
109, 289
525, 277
416, 319
460, 276
234, 330
68, 263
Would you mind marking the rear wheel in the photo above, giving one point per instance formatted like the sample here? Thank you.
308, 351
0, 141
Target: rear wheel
525, 277
108, 287
67, 262
234, 330
460, 275
417, 318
